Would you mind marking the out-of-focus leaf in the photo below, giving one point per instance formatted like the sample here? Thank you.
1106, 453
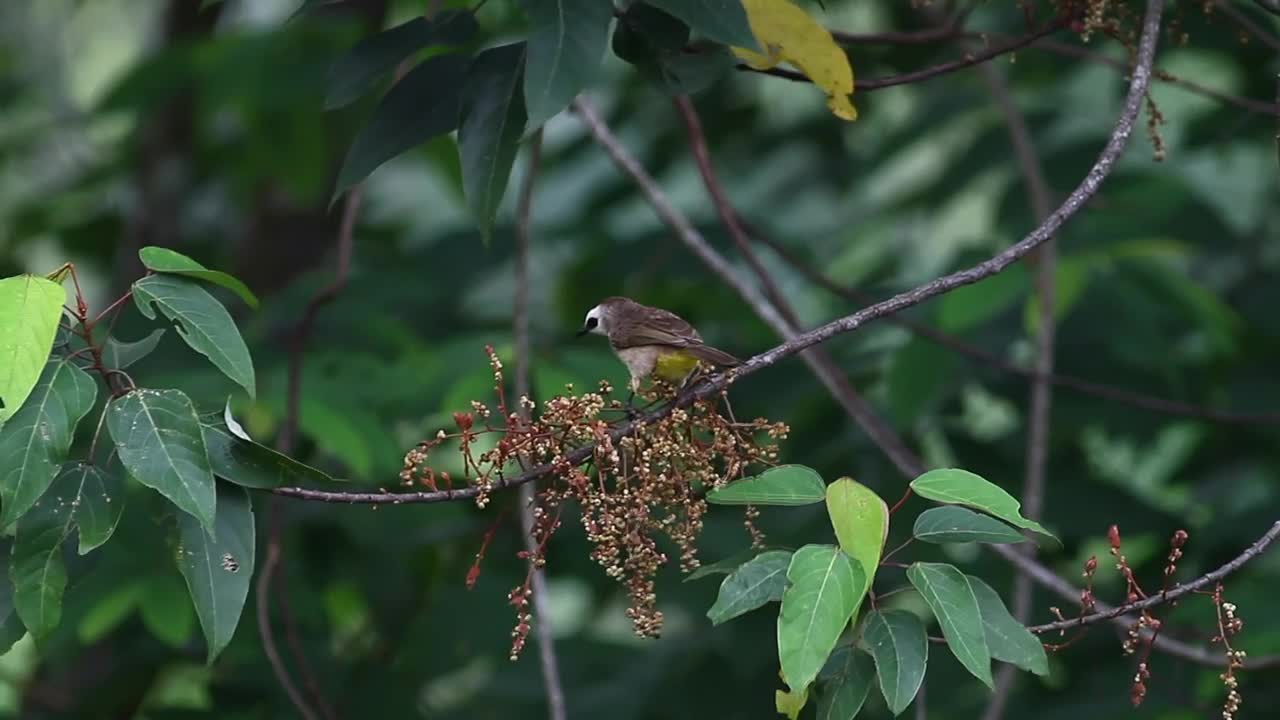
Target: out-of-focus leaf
109, 611
781, 485
218, 568
157, 436
11, 627
968, 306
166, 610
861, 521
30, 307
954, 604
422, 105
164, 260
202, 322
846, 681
787, 33
961, 487
372, 57
1071, 278
816, 607
724, 21
119, 355
897, 642
493, 120
953, 524
250, 464
916, 378
759, 581
567, 39
1008, 639
36, 440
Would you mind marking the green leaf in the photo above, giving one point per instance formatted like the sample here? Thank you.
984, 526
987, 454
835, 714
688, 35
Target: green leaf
969, 306
36, 566
759, 581
782, 485
164, 260
218, 568
109, 611
897, 642
1008, 639
953, 524
165, 609
202, 322
846, 685
790, 704
816, 607
372, 57
567, 39
724, 21
250, 464
422, 105
11, 628
953, 602
492, 121
722, 567
861, 522
918, 377
120, 355
36, 440
961, 487
158, 439
98, 496
1071, 279
657, 45
30, 307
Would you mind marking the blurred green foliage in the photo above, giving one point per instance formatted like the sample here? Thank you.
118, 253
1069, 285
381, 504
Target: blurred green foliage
201, 126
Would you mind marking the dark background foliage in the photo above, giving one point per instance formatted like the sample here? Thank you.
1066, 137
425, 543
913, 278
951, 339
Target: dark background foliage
129, 124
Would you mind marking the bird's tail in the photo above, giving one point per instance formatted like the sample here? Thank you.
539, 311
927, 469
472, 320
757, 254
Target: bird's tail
713, 356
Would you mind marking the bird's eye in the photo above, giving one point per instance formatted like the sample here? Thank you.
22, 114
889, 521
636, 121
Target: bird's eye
592, 323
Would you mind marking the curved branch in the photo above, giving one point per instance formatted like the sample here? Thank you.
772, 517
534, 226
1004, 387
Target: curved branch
1087, 188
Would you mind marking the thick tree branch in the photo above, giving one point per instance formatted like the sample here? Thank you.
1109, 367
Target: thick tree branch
538, 580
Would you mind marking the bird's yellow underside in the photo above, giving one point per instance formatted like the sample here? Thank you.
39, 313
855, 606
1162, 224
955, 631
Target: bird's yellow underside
665, 363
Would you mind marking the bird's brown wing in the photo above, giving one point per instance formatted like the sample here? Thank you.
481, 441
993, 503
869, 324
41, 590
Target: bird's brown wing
657, 327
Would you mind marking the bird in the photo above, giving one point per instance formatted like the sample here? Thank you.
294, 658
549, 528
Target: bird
651, 341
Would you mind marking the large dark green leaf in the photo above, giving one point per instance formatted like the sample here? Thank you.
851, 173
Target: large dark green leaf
782, 485
11, 628
953, 524
846, 681
36, 566
36, 440
97, 496
492, 122
816, 608
251, 464
372, 57
961, 487
218, 568
897, 642
656, 43
202, 322
422, 105
158, 439
120, 355
954, 604
30, 307
760, 580
164, 260
1008, 639
567, 39
724, 21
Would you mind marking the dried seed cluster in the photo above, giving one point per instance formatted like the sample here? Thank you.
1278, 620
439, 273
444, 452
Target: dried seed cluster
1228, 625
634, 489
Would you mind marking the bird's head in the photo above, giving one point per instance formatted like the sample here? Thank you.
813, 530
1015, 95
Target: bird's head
596, 322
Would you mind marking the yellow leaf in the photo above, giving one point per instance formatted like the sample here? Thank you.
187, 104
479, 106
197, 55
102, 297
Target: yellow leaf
788, 33
790, 703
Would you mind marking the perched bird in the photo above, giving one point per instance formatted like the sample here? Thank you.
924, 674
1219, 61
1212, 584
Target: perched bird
651, 341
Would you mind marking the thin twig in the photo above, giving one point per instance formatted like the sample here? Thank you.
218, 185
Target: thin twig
784, 322
538, 580
263, 596
928, 73
1033, 488
1252, 28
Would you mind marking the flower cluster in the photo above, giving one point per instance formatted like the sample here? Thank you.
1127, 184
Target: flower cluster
1228, 625
636, 484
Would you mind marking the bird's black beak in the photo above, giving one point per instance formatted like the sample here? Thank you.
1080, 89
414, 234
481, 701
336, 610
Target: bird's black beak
582, 332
